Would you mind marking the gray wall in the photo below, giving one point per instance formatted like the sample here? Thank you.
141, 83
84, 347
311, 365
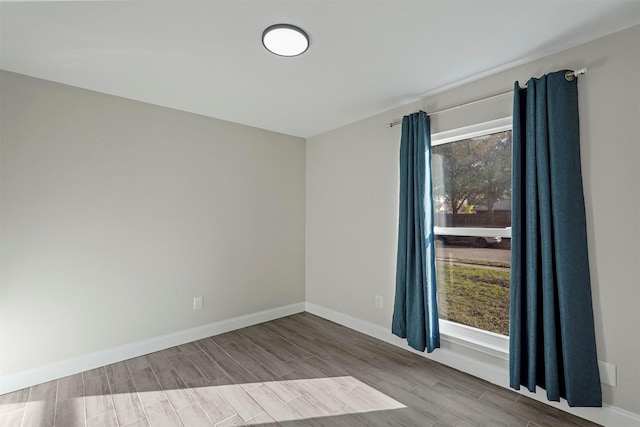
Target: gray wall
352, 197
115, 214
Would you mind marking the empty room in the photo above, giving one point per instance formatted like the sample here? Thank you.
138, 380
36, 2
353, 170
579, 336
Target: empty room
320, 213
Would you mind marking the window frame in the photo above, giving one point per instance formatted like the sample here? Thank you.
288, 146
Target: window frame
487, 342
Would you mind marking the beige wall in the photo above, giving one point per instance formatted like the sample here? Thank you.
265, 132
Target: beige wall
352, 197
115, 214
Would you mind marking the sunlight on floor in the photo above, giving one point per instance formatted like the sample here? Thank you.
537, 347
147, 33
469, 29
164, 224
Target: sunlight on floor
249, 403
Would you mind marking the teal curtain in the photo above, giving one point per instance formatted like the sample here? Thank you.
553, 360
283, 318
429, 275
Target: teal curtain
415, 311
552, 339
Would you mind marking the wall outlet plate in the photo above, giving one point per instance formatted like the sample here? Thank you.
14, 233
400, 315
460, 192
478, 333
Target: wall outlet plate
607, 373
378, 301
197, 303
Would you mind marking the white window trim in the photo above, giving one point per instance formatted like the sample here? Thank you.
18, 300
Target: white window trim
487, 342
466, 132
473, 231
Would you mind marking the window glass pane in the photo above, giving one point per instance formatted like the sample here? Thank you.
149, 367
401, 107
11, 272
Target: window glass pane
472, 202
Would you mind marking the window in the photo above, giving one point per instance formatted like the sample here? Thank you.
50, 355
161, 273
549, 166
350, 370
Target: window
471, 172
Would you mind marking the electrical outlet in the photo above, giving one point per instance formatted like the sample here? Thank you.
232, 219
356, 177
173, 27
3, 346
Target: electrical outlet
607, 373
197, 303
378, 301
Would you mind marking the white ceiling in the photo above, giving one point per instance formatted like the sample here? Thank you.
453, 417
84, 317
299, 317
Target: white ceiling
365, 57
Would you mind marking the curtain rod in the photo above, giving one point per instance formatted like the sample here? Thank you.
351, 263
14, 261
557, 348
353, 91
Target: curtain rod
569, 75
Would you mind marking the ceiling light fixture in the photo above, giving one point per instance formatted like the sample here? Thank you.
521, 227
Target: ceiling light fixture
285, 40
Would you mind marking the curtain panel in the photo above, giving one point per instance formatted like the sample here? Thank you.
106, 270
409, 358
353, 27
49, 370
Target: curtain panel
415, 312
552, 338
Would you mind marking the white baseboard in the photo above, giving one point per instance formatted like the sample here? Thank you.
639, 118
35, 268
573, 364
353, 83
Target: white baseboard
494, 373
39, 375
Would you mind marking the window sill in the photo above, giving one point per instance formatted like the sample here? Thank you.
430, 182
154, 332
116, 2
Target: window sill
486, 342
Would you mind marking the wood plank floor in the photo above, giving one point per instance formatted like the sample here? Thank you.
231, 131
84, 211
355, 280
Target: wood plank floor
300, 370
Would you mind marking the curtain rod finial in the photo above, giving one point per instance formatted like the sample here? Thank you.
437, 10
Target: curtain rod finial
570, 75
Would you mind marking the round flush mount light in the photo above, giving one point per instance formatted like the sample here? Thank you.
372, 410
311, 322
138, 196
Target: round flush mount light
285, 40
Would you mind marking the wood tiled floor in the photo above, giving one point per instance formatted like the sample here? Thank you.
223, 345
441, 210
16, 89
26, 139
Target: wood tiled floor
296, 371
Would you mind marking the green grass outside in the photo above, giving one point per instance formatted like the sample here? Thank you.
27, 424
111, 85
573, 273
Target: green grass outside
483, 262
477, 297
